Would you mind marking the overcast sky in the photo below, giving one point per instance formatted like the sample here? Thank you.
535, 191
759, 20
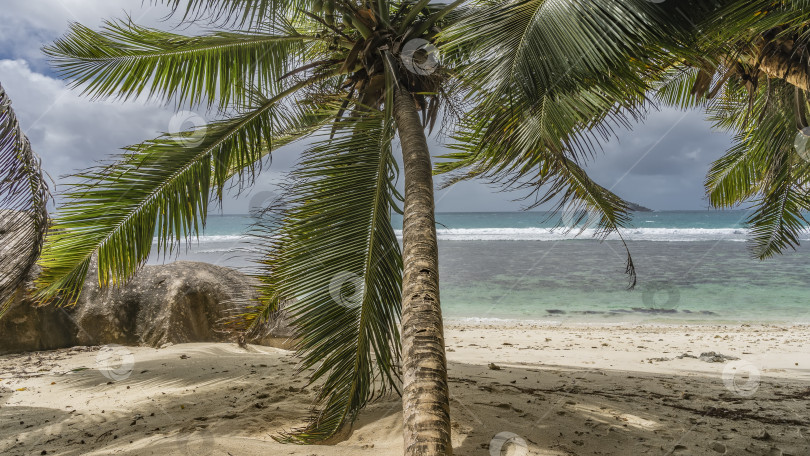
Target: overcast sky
660, 164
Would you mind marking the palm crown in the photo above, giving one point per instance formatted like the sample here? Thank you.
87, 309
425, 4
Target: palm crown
525, 90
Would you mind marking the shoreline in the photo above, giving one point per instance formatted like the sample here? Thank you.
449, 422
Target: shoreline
537, 324
776, 350
558, 390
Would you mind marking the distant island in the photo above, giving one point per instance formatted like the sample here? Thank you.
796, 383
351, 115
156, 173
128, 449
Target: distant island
638, 207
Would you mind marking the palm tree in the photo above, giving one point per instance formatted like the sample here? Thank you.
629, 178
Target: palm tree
24, 197
750, 72
526, 90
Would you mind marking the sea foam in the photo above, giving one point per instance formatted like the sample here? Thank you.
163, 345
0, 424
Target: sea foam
635, 234
548, 234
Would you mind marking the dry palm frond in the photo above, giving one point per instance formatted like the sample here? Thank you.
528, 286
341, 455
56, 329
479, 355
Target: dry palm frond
24, 197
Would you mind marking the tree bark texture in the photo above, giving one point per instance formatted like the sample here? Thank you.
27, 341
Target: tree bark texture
425, 394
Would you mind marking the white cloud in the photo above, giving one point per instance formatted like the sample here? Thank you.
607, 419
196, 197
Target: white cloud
28, 25
54, 14
68, 131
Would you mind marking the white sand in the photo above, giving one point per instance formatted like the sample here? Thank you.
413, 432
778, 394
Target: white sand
567, 390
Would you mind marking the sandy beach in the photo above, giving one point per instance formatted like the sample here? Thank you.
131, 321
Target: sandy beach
525, 389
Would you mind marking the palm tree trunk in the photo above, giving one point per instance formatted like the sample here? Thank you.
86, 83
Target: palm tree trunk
425, 395
781, 62
794, 70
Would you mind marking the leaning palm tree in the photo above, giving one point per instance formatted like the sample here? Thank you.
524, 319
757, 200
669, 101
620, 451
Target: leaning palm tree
525, 90
24, 197
750, 72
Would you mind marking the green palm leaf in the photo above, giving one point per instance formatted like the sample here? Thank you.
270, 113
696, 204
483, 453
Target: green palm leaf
732, 178
763, 165
675, 87
242, 12
738, 175
541, 146
160, 188
592, 204
24, 197
125, 60
337, 255
537, 46
778, 220
550, 174
728, 77
745, 22
553, 79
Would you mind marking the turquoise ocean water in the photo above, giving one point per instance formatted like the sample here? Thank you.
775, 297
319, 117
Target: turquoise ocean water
693, 266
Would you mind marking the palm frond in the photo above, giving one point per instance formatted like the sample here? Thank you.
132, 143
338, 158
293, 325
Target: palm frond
24, 197
747, 22
161, 188
551, 175
125, 60
560, 75
763, 165
337, 256
761, 122
778, 219
733, 178
240, 12
596, 205
538, 46
539, 144
573, 122
676, 87
542, 82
